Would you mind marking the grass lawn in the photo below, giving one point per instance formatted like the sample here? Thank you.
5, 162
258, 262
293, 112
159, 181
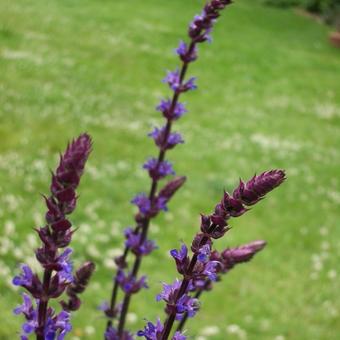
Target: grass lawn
269, 96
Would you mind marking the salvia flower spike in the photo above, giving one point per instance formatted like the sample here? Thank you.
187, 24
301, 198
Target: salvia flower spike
205, 265
55, 235
158, 168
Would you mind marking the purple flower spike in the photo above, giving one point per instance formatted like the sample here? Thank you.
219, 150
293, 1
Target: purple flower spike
255, 189
171, 113
173, 139
158, 170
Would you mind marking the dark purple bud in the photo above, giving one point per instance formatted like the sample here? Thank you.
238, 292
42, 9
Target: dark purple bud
57, 286
120, 262
82, 277
232, 256
137, 246
61, 225
62, 238
255, 189
72, 304
171, 187
205, 223
232, 206
110, 313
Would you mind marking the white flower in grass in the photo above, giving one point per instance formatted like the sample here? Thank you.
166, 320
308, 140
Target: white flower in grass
89, 330
131, 317
9, 228
332, 274
210, 330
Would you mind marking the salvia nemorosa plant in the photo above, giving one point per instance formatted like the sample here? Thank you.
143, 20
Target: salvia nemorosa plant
54, 253
198, 271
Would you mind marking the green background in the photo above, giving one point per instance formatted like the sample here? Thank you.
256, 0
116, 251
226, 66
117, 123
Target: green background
268, 96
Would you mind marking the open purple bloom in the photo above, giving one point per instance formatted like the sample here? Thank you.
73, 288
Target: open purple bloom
129, 283
133, 241
145, 206
181, 258
171, 113
58, 326
187, 304
204, 253
112, 334
25, 278
142, 202
169, 292
179, 336
211, 270
158, 170
151, 331
31, 316
174, 81
185, 54
65, 265
173, 139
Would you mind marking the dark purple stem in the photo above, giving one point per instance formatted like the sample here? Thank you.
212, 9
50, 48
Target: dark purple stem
43, 303
183, 289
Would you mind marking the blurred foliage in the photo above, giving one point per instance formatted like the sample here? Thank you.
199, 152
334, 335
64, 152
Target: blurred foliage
329, 9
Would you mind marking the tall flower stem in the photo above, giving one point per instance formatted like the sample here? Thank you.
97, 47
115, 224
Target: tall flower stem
182, 290
152, 193
43, 304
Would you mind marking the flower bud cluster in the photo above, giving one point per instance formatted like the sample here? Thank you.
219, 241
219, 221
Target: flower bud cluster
55, 235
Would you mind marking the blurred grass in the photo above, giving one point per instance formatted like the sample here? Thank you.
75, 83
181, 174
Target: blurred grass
268, 97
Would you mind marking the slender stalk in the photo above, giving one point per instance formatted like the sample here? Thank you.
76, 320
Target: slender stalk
182, 290
153, 190
43, 304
